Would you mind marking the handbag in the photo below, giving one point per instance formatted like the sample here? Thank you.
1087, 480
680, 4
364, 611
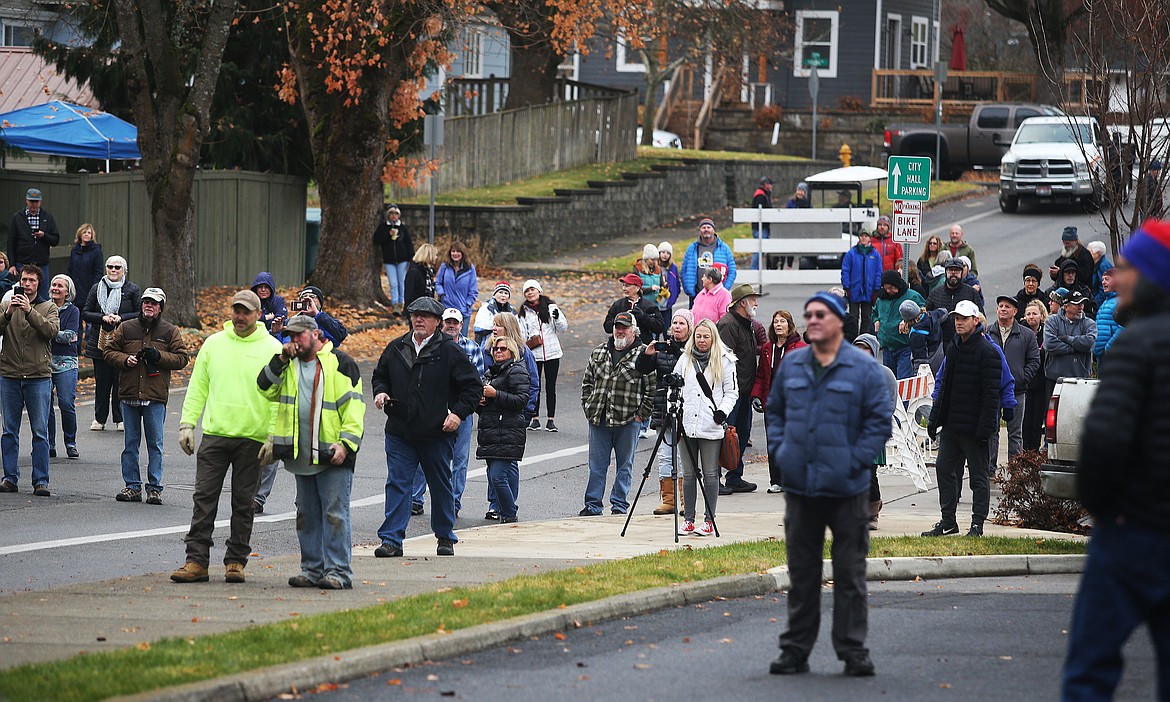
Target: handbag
535, 341
104, 338
729, 447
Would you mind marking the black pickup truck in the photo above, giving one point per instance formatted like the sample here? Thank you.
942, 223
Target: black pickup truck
981, 142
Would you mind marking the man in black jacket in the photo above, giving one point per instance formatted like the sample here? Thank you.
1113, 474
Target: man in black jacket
735, 330
427, 388
1123, 479
1071, 250
1019, 346
646, 315
948, 295
31, 234
966, 408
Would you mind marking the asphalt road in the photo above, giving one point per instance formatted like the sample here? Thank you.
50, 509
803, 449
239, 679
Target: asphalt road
81, 534
977, 639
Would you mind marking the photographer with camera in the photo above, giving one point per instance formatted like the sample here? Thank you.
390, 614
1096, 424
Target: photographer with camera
311, 302
710, 390
660, 357
145, 349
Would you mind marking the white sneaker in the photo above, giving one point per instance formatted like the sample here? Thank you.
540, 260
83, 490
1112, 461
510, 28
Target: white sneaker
643, 434
705, 529
96, 426
774, 488
120, 426
687, 529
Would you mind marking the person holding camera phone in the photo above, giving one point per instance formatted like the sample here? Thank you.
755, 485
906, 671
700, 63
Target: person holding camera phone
660, 357
145, 350
311, 302
111, 301
710, 390
28, 328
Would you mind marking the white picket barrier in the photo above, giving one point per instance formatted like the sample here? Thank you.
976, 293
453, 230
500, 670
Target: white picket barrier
909, 448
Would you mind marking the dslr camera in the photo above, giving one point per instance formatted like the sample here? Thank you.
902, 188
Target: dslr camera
673, 380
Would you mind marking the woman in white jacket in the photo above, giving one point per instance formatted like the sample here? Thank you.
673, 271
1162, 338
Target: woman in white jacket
704, 419
540, 322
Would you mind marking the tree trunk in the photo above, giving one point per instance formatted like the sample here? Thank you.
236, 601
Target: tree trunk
534, 73
654, 78
173, 216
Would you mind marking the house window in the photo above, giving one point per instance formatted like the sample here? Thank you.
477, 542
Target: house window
17, 34
816, 42
919, 40
624, 65
473, 52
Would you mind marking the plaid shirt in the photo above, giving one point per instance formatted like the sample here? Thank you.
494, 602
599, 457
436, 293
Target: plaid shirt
474, 354
612, 395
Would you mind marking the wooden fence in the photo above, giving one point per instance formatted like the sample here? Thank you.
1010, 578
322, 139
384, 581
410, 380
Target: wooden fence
244, 222
504, 146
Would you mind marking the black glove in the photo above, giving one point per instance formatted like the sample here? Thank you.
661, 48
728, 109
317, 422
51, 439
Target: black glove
556, 313
720, 416
758, 405
151, 355
1009, 413
932, 431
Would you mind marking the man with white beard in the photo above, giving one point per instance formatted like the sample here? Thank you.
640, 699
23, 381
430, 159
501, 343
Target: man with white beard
735, 330
615, 398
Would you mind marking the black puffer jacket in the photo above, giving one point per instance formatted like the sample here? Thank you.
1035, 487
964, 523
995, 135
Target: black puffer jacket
968, 399
1124, 468
662, 363
502, 426
130, 308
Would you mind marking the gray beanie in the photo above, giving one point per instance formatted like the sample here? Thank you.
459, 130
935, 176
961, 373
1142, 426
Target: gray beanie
909, 310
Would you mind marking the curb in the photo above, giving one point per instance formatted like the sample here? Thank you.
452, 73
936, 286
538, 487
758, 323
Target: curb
267, 683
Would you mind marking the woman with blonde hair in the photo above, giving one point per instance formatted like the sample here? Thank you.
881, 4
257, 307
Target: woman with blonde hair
502, 427
709, 393
85, 261
505, 326
420, 275
111, 301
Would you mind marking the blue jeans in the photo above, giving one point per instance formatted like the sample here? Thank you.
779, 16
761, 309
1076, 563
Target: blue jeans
621, 442
323, 524
16, 397
65, 385
396, 274
267, 480
767, 234
139, 420
1126, 582
898, 360
502, 476
664, 464
402, 460
459, 457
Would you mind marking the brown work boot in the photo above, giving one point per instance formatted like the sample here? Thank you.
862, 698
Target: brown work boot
190, 573
667, 489
234, 573
875, 509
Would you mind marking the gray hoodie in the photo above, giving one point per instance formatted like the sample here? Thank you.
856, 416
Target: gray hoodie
870, 342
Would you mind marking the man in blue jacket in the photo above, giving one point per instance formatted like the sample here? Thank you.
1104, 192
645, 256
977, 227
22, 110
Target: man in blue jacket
708, 250
861, 276
828, 415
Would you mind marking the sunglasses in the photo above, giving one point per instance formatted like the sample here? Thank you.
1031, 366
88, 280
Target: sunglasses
819, 314
500, 348
113, 268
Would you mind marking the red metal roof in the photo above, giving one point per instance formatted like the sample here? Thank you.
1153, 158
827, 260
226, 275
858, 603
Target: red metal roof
26, 80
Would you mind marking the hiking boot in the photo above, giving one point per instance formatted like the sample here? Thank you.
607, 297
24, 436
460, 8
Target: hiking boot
129, 494
446, 547
331, 582
257, 508
234, 573
550, 425
7, 485
789, 663
42, 490
301, 581
858, 664
416, 509
534, 425
190, 573
975, 530
153, 497
942, 529
388, 551
71, 451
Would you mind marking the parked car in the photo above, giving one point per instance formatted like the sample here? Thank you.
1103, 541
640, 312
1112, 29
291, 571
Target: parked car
662, 139
1062, 428
982, 141
1053, 159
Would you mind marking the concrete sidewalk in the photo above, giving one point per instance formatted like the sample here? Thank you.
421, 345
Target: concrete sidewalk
59, 623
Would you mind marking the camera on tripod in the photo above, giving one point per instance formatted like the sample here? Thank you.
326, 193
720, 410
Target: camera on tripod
673, 380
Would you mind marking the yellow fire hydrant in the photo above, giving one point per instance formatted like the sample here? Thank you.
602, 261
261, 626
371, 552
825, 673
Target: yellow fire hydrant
845, 155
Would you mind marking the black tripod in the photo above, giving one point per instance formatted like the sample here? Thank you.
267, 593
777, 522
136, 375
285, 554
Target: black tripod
673, 422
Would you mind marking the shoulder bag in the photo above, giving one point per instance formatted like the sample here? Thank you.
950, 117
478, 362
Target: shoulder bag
729, 448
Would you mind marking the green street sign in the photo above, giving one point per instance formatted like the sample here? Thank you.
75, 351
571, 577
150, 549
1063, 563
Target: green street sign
909, 178
815, 59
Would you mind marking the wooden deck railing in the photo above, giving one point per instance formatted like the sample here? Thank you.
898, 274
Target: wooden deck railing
964, 89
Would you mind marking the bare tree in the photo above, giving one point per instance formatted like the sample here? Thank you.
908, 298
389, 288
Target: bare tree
1049, 24
993, 42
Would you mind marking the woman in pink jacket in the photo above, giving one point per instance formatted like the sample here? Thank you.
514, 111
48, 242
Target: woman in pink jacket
712, 301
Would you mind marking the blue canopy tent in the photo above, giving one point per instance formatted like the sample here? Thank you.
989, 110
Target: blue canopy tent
63, 129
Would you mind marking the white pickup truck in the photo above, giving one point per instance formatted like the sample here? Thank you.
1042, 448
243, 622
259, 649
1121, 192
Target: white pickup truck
1053, 159
1063, 425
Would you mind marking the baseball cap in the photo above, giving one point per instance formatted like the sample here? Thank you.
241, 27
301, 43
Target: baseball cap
624, 319
965, 308
631, 279
33, 194
1076, 297
248, 299
300, 323
452, 313
155, 294
1008, 299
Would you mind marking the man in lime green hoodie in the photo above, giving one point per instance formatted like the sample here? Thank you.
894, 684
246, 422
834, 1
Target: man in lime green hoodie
236, 419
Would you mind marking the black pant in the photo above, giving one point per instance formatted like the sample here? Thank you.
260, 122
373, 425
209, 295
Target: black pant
548, 385
106, 382
955, 448
1035, 410
741, 419
863, 311
805, 520
875, 490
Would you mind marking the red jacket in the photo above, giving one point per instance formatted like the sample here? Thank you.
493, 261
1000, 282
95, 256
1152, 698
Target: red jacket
890, 250
763, 384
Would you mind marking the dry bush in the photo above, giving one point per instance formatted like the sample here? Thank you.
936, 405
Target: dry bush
767, 115
1024, 503
851, 103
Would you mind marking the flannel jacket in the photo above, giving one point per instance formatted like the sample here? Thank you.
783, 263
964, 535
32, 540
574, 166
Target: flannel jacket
612, 394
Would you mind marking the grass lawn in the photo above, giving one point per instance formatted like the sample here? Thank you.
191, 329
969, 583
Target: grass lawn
181, 660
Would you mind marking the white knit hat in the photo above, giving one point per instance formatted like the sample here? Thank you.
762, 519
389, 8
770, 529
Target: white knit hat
667, 247
532, 283
649, 252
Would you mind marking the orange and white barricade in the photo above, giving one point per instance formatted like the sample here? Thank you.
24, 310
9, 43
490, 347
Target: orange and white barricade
909, 447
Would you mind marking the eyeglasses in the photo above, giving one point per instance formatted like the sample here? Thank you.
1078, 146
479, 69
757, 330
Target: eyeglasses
819, 314
113, 268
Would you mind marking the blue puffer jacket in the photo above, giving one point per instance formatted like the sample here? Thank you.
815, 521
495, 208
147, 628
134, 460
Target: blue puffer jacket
457, 289
1107, 328
826, 433
861, 274
690, 266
